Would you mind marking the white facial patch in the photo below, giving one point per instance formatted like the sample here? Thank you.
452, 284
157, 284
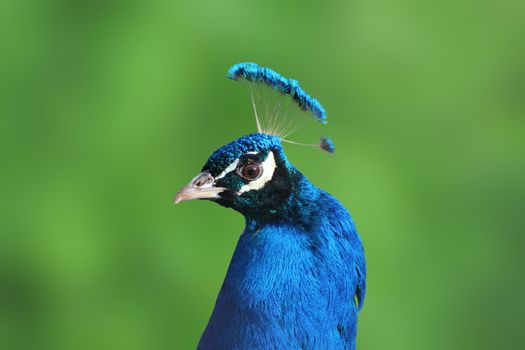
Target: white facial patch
268, 168
228, 170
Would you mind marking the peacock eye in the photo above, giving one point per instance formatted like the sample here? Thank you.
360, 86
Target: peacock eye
250, 171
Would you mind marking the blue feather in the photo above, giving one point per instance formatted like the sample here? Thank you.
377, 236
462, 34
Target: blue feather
287, 287
255, 73
297, 277
327, 144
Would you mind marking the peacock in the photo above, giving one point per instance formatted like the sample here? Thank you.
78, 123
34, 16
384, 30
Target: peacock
297, 278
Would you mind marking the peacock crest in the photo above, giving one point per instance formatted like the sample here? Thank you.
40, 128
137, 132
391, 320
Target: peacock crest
275, 100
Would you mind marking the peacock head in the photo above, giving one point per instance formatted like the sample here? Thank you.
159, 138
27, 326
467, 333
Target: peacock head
250, 175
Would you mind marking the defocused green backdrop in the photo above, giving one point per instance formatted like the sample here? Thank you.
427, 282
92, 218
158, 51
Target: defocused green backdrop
108, 107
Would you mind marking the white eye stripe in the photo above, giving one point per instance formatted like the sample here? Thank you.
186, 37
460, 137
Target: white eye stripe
268, 168
229, 169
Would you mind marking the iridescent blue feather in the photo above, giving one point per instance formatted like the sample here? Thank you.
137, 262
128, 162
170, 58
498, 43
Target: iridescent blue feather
327, 144
255, 73
297, 278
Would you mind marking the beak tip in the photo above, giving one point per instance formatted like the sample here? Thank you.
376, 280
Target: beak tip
201, 187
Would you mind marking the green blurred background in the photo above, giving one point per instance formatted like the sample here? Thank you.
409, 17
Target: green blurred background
108, 107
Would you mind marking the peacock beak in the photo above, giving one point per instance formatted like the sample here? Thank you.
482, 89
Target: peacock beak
201, 187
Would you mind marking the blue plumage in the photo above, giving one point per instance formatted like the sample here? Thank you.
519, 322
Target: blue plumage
254, 73
297, 278
327, 144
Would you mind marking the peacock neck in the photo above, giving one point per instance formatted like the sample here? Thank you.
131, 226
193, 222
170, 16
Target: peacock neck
298, 209
290, 280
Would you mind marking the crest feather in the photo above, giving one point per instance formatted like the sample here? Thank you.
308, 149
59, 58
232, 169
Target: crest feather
252, 72
275, 118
